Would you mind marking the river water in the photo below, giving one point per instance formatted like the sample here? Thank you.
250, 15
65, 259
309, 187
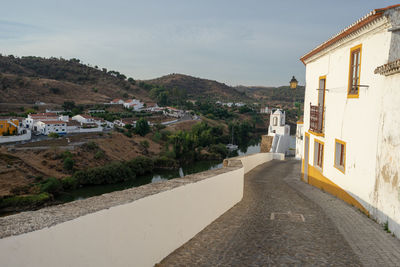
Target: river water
199, 166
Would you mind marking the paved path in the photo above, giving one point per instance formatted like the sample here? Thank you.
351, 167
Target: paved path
332, 232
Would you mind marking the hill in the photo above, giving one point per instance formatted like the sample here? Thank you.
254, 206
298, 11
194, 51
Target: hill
26, 80
200, 89
282, 96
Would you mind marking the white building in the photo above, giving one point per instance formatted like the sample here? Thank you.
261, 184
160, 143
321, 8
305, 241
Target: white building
173, 112
280, 132
352, 116
133, 104
264, 110
117, 102
299, 139
47, 127
85, 119
33, 118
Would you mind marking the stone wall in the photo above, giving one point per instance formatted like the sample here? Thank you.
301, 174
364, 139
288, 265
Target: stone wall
266, 143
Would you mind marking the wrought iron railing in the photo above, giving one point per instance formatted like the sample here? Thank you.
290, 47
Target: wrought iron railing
317, 119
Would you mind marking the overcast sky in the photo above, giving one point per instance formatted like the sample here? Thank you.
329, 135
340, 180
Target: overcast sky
249, 42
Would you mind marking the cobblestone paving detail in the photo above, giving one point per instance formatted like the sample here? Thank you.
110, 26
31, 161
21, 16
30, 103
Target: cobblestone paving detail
246, 235
374, 246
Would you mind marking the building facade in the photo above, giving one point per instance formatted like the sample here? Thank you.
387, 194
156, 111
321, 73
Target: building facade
9, 126
351, 144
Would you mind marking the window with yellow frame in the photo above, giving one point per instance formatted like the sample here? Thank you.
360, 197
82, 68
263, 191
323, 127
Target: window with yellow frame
340, 155
354, 72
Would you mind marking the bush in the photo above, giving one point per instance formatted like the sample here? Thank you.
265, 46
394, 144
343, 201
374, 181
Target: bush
141, 165
128, 134
145, 143
219, 149
165, 162
69, 183
108, 174
99, 154
53, 135
23, 201
91, 145
68, 164
142, 127
51, 185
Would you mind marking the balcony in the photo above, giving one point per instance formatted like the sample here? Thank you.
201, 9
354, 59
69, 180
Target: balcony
317, 120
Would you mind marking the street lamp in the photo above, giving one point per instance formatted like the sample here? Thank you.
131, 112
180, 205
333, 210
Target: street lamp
293, 83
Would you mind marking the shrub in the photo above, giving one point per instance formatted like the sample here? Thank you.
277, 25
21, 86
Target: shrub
128, 134
142, 127
99, 154
69, 183
53, 135
145, 143
91, 145
219, 149
68, 164
23, 201
141, 165
165, 162
51, 185
108, 174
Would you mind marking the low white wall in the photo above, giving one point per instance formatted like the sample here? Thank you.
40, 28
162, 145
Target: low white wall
139, 233
85, 130
251, 161
15, 138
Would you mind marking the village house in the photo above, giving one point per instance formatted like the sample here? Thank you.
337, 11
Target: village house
173, 112
134, 104
124, 121
47, 127
117, 101
9, 126
351, 134
153, 107
85, 119
33, 118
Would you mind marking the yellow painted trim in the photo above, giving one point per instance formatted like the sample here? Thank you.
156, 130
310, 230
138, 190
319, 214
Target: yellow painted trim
344, 152
316, 179
304, 151
316, 134
323, 152
359, 78
300, 122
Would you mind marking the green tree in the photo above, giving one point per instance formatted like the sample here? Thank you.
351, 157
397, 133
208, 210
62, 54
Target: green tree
68, 164
142, 127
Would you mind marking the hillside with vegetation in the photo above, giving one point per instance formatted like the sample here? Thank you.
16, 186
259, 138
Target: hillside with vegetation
27, 80
200, 89
283, 96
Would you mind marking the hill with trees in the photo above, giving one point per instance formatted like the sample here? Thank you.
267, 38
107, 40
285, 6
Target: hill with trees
55, 80
200, 89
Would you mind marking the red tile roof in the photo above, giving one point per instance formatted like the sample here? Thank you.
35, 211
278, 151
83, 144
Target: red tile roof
374, 14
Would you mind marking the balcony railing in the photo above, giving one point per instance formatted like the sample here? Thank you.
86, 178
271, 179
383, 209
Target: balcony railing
317, 119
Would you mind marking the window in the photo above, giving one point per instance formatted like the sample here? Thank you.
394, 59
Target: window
354, 72
318, 154
275, 121
340, 155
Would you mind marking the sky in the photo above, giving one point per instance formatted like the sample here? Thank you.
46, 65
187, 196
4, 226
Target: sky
247, 42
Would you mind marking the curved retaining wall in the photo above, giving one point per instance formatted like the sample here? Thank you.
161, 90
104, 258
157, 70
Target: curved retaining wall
134, 227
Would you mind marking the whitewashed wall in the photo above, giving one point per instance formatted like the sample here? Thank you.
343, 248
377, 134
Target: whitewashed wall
369, 124
15, 138
140, 233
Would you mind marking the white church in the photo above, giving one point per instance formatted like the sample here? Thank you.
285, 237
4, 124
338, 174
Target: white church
280, 132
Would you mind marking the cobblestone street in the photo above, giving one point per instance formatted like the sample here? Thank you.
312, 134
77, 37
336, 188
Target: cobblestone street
282, 221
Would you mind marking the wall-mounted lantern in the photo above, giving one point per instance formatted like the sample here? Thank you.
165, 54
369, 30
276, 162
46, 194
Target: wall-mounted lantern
293, 83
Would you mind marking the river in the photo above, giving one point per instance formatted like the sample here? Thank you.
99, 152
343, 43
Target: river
199, 166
